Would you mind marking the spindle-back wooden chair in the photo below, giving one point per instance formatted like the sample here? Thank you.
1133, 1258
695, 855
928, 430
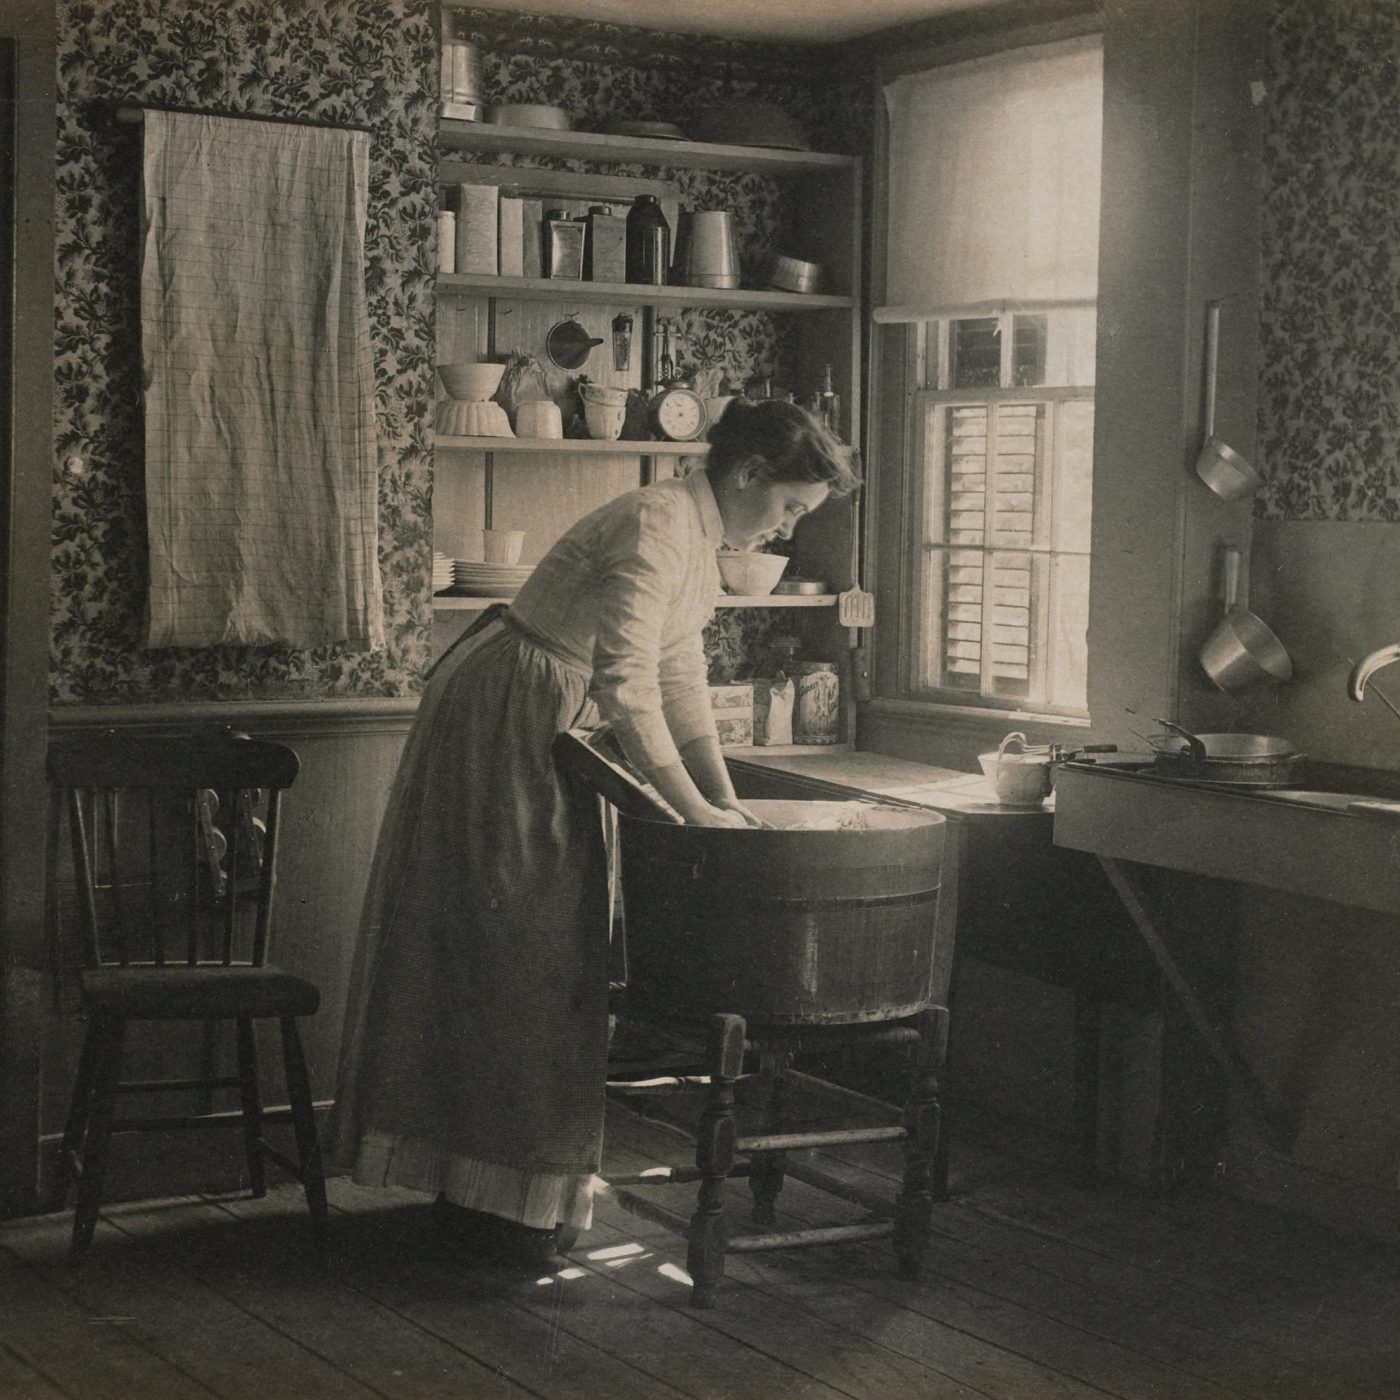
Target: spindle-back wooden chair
174, 843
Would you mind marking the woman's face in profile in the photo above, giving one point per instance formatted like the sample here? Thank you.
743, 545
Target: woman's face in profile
756, 510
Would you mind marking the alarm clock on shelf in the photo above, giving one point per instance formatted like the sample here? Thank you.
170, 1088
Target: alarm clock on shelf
678, 413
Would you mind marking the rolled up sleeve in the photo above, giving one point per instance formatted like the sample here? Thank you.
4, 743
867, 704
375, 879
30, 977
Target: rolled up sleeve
685, 694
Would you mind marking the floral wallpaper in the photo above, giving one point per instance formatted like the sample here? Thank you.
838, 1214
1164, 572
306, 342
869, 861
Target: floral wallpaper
1329, 414
362, 62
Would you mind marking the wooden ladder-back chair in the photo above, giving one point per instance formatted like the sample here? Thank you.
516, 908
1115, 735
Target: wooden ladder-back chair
175, 862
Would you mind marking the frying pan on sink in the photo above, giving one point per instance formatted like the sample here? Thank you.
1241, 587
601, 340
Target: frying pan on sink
1233, 760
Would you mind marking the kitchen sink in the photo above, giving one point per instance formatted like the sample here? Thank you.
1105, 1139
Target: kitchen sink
1335, 837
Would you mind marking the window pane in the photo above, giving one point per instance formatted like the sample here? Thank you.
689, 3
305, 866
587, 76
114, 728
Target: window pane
1005, 548
1067, 640
1028, 349
975, 354
1074, 476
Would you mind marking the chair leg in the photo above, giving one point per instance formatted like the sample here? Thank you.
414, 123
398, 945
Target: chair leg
714, 1156
304, 1125
914, 1208
767, 1169
252, 1106
79, 1112
107, 1034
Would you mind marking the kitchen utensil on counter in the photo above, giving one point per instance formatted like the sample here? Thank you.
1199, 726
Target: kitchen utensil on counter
1021, 779
1229, 475
707, 250
536, 114
810, 587
794, 274
1023, 773
1241, 650
1236, 760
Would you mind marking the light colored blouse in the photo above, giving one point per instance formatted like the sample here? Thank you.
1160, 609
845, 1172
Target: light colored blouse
625, 594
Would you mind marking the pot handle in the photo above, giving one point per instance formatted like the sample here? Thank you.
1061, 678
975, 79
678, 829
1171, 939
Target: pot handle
1194, 747
1212, 364
1016, 738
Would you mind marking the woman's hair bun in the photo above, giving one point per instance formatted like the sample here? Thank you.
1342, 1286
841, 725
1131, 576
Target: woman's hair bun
792, 444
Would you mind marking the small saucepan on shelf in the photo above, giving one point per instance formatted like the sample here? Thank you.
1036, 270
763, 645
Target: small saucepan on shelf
535, 114
788, 274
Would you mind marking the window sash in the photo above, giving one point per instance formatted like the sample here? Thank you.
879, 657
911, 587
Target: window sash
1005, 643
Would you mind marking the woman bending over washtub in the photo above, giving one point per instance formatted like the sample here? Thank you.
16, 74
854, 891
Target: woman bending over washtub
475, 1048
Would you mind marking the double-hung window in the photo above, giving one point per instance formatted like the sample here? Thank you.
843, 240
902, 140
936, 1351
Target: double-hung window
999, 558
992, 249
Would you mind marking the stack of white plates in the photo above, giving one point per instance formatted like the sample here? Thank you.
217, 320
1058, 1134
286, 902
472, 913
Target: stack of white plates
480, 580
442, 571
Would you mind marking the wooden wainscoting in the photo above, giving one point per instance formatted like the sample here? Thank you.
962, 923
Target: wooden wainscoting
349, 751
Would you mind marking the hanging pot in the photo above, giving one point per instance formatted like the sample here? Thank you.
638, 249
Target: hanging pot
1242, 650
1221, 468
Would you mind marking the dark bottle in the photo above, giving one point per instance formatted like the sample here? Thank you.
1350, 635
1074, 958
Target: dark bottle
648, 242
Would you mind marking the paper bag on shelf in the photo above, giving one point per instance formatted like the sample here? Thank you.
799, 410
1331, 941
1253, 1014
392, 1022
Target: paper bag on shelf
477, 214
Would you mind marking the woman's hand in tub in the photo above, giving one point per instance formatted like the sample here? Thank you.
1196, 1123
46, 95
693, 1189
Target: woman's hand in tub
732, 804
712, 815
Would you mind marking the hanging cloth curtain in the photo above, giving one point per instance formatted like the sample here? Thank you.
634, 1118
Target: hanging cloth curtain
994, 184
261, 462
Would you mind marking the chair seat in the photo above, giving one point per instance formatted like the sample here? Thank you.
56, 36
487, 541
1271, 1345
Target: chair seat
197, 993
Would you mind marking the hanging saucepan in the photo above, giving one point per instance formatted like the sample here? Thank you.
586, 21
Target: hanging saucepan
1233, 760
1221, 468
1242, 650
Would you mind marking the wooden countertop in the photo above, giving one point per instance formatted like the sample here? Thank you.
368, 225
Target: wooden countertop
878, 775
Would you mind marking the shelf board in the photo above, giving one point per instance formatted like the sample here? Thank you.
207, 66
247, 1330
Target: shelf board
568, 290
457, 602
573, 446
776, 600
591, 447
458, 135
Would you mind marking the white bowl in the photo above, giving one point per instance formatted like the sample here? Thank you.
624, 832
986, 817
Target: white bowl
750, 575
473, 383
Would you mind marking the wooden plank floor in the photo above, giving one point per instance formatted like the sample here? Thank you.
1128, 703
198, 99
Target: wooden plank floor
1036, 1288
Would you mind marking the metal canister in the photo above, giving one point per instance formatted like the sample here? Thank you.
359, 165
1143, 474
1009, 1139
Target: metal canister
816, 717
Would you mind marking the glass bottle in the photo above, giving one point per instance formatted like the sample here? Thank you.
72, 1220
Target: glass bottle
827, 405
648, 242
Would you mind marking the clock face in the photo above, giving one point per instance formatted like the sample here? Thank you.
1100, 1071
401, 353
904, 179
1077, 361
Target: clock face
679, 414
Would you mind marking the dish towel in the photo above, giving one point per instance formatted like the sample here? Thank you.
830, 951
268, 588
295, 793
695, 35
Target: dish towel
261, 462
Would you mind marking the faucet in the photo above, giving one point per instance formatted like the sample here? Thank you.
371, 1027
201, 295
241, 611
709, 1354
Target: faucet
1368, 666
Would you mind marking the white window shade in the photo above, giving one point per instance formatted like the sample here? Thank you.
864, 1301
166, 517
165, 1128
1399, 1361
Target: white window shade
994, 184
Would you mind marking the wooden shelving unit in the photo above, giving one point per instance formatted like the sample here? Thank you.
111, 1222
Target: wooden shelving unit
640, 150
574, 446
546, 483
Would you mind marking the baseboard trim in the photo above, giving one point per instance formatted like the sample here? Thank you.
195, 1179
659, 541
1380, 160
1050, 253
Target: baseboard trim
267, 717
